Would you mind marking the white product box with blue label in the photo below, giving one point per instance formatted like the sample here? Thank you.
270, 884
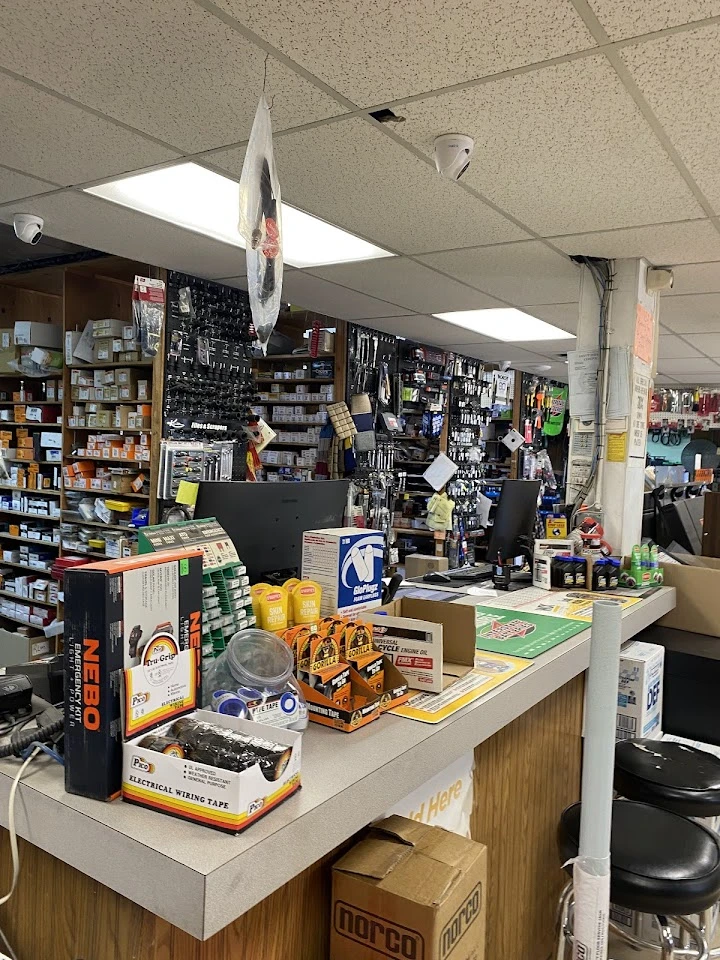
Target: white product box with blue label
347, 562
640, 691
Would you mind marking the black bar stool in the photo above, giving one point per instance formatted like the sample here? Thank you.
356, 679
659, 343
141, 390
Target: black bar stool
673, 776
660, 863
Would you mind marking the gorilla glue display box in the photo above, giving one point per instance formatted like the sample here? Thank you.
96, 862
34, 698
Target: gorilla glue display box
410, 890
119, 614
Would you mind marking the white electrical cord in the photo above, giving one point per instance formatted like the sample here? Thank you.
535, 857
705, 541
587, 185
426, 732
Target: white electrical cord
14, 842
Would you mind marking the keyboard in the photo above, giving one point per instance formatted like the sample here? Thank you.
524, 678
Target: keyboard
481, 571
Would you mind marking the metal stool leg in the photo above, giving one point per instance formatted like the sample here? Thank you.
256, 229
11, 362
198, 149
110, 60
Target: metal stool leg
667, 951
563, 921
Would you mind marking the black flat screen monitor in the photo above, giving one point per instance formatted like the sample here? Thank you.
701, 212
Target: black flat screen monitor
514, 524
266, 521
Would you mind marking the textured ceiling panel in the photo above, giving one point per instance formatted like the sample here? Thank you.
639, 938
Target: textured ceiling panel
672, 243
708, 343
408, 283
334, 301
80, 218
14, 185
630, 18
563, 315
678, 76
695, 278
375, 52
427, 329
50, 138
353, 175
694, 313
521, 273
673, 348
563, 149
170, 69
694, 366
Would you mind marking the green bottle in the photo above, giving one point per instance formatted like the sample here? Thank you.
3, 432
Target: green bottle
654, 562
645, 562
636, 570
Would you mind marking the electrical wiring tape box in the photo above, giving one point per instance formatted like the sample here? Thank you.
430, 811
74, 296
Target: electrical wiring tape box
139, 612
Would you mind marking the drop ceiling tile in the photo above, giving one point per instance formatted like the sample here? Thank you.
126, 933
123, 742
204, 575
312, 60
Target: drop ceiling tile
675, 74
376, 52
52, 139
673, 348
694, 313
563, 315
546, 157
630, 18
699, 379
662, 381
707, 343
407, 283
427, 329
319, 295
91, 222
502, 352
549, 348
689, 242
170, 69
14, 186
351, 174
527, 273
695, 278
691, 367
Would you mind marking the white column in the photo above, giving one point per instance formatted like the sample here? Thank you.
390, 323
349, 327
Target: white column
633, 324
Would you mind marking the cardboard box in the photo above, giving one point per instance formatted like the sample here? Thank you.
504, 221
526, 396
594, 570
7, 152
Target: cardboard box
113, 611
640, 691
107, 328
418, 564
410, 890
697, 605
52, 439
16, 648
29, 333
348, 564
102, 350
201, 793
544, 551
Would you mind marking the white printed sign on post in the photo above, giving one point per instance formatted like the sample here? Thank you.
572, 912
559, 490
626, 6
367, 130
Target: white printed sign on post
444, 801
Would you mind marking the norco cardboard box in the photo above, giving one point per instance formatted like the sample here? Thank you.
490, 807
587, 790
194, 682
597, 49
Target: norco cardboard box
410, 890
640, 691
348, 564
697, 601
120, 614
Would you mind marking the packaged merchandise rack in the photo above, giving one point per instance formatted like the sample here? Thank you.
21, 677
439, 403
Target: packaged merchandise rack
285, 371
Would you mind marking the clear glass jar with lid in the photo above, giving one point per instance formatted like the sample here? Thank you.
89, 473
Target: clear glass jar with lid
253, 678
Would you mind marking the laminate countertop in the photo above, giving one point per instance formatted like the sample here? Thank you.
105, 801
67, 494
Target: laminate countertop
201, 880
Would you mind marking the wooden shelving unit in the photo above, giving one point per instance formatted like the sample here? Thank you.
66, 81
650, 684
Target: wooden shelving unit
265, 370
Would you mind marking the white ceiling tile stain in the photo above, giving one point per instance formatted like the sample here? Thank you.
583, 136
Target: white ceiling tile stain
564, 149
408, 283
351, 174
387, 49
630, 18
524, 273
671, 243
695, 313
670, 347
51, 138
679, 77
169, 69
14, 185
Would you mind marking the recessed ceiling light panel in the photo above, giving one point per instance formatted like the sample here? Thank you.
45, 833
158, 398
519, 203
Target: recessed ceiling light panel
505, 323
198, 199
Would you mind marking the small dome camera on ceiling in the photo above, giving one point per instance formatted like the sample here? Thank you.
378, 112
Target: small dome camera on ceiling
28, 227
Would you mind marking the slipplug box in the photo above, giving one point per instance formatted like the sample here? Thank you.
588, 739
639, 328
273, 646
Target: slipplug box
118, 614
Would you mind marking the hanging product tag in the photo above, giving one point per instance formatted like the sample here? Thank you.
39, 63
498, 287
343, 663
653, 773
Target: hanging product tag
148, 299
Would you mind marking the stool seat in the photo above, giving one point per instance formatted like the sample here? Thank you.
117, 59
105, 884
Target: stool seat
661, 863
669, 775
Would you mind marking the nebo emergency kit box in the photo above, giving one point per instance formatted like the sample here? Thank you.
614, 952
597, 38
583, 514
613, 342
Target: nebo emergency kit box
347, 562
410, 890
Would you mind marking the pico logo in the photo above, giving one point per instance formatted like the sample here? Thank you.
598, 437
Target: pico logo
140, 763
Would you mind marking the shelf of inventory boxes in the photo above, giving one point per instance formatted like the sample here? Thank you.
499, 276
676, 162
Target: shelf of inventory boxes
40, 492
38, 543
15, 596
69, 517
110, 364
289, 380
31, 423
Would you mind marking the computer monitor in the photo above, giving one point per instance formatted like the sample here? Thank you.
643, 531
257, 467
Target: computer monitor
514, 524
266, 521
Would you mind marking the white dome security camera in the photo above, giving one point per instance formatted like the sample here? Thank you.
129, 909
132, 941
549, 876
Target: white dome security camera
659, 278
28, 227
452, 154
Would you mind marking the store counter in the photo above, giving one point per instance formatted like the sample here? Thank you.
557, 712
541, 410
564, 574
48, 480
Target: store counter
202, 881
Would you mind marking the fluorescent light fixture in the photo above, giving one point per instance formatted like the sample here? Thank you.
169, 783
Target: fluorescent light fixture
206, 202
506, 323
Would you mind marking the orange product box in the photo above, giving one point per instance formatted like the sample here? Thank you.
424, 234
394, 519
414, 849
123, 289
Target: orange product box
24, 453
14, 529
26, 442
138, 482
19, 413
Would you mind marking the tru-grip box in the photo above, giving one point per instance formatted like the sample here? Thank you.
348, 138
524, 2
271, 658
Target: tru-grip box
119, 614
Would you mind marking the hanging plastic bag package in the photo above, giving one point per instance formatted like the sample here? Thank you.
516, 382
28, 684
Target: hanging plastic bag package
260, 224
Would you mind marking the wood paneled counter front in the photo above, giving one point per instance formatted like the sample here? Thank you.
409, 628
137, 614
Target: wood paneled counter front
115, 882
